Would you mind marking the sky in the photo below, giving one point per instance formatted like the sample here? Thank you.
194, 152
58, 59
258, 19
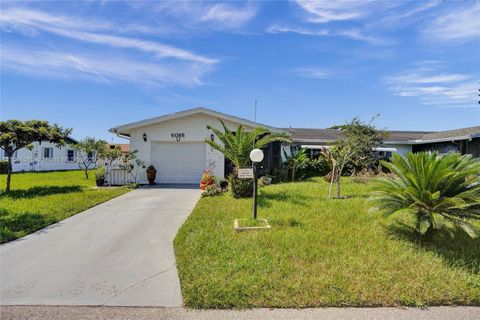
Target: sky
92, 65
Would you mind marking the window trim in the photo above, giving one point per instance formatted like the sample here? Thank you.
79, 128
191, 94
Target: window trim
50, 155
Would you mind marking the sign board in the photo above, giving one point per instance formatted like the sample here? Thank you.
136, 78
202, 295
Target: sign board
245, 173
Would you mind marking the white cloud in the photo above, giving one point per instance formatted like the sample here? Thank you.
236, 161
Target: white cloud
460, 25
313, 73
324, 11
159, 63
200, 15
228, 15
355, 34
305, 31
435, 88
99, 67
28, 19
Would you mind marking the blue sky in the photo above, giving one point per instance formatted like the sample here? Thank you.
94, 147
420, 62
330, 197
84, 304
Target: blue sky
90, 65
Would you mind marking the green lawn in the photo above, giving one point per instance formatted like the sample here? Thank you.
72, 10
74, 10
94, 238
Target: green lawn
319, 252
41, 198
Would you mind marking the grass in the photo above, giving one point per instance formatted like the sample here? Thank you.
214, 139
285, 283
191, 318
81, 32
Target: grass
38, 199
319, 252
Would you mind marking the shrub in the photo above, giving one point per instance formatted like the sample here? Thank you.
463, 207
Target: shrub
212, 190
438, 191
366, 176
240, 188
3, 167
100, 173
314, 168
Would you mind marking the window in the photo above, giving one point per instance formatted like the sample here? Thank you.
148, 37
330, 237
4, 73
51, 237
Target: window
90, 156
47, 153
70, 155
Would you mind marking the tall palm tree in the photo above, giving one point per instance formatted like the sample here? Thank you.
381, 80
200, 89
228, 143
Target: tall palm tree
436, 190
236, 146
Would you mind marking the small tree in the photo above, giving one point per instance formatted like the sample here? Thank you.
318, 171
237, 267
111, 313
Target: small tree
111, 155
16, 134
131, 164
361, 139
356, 150
88, 151
296, 160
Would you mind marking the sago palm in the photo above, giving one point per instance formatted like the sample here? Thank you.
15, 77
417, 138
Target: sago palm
236, 146
436, 190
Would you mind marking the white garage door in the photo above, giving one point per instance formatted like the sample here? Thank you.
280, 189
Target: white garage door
181, 162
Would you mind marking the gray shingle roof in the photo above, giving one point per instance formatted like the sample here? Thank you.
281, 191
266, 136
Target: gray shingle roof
330, 135
327, 135
464, 132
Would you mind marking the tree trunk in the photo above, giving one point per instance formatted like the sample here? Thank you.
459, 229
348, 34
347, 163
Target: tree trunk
293, 172
86, 172
9, 173
332, 180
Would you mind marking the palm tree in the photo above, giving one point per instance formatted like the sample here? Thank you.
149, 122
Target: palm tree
296, 160
236, 146
436, 190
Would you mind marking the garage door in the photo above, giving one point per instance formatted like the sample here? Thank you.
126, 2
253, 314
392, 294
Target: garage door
178, 162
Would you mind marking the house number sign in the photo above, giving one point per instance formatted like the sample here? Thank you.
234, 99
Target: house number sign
178, 135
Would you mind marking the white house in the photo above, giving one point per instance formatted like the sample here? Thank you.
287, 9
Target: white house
44, 156
175, 143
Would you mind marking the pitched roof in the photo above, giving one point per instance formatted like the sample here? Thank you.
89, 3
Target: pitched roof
394, 136
457, 134
125, 128
125, 147
330, 135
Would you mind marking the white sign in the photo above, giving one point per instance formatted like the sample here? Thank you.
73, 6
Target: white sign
245, 173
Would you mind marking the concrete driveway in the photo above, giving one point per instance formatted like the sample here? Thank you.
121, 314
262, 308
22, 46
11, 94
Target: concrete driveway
117, 253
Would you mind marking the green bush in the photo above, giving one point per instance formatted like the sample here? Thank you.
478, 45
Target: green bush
3, 167
240, 188
314, 168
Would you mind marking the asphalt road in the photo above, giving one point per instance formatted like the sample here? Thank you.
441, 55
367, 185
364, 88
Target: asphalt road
124, 313
117, 253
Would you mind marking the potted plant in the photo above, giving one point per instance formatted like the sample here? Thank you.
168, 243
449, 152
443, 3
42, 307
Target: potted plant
207, 180
151, 174
100, 176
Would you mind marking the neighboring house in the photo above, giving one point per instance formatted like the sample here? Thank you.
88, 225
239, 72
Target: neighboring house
44, 156
175, 143
464, 141
316, 139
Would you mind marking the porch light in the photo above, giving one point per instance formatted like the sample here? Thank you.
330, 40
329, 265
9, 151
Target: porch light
144, 136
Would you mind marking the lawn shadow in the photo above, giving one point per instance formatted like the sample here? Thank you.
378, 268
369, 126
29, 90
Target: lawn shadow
40, 191
25, 222
460, 251
265, 200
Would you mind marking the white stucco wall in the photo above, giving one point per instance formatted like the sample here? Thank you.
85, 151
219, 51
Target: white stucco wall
401, 148
33, 160
195, 129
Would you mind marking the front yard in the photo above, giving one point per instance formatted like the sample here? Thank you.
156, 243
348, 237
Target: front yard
42, 198
319, 252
